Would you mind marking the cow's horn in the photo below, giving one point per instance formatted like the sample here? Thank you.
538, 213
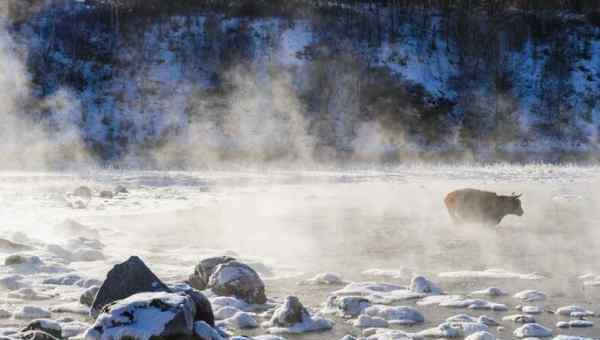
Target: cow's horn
517, 196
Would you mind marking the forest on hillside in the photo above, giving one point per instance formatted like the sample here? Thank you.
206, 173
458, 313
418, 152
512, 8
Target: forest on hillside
189, 82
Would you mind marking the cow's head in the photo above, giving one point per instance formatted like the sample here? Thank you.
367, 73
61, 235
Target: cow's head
515, 205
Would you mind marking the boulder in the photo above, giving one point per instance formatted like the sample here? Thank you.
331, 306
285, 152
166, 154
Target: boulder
45, 325
124, 280
292, 317
14, 260
532, 330
156, 315
239, 280
420, 284
290, 313
88, 296
120, 189
202, 272
347, 306
83, 192
106, 194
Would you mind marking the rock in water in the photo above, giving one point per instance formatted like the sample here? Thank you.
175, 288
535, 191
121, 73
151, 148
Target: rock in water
106, 194
347, 306
420, 284
126, 279
532, 330
121, 189
290, 313
87, 298
83, 192
202, 272
155, 315
45, 325
239, 280
292, 317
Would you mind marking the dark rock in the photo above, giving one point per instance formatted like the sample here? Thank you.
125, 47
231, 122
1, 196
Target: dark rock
126, 279
47, 326
36, 335
239, 280
120, 189
87, 298
83, 192
291, 312
14, 260
159, 315
202, 272
204, 310
9, 246
106, 194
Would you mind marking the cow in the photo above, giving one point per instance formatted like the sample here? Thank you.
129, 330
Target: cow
477, 206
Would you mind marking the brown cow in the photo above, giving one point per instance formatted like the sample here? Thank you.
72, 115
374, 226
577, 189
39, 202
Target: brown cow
476, 206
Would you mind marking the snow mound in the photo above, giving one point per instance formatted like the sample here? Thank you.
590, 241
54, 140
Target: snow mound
490, 274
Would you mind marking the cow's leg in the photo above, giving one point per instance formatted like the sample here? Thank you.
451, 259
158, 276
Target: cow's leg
450, 203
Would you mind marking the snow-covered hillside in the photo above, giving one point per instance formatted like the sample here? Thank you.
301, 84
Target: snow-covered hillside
191, 88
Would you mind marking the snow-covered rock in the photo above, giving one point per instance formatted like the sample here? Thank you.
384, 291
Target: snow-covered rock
491, 291
532, 330
366, 321
346, 306
454, 329
580, 323
228, 301
519, 318
396, 314
531, 310
124, 280
382, 293
203, 270
292, 317
420, 284
569, 310
144, 315
225, 312
74, 329
239, 280
530, 295
31, 312
45, 325
241, 320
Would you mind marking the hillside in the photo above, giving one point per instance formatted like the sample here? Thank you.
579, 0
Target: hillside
191, 83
